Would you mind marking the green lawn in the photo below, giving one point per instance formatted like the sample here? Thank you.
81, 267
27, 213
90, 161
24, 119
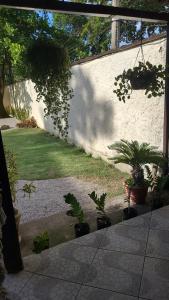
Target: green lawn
42, 156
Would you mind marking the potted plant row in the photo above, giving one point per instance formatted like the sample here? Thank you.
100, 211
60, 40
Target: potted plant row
81, 228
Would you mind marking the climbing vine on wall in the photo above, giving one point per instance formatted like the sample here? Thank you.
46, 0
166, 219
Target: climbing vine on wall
49, 69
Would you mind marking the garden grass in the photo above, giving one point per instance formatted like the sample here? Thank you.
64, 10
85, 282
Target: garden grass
42, 156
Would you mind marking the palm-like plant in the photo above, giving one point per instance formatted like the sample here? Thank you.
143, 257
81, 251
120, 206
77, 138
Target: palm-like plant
136, 155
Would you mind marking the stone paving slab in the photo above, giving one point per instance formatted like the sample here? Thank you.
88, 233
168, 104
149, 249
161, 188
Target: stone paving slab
83, 269
116, 271
90, 293
126, 239
155, 281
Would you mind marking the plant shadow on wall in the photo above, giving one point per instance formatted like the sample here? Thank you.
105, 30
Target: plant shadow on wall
89, 120
20, 105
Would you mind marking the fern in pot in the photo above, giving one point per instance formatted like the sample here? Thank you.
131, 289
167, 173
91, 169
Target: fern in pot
158, 185
136, 156
81, 228
103, 220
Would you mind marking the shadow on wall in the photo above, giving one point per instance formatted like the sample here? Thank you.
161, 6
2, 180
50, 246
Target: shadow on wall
91, 117
20, 96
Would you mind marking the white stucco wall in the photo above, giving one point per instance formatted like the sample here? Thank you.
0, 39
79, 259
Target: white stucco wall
97, 118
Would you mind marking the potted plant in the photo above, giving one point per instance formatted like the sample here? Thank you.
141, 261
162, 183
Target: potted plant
145, 76
81, 228
129, 212
49, 67
158, 184
137, 195
102, 220
136, 155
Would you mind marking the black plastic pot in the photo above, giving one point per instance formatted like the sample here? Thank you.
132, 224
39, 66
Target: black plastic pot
156, 201
103, 222
156, 205
129, 213
142, 81
69, 213
81, 229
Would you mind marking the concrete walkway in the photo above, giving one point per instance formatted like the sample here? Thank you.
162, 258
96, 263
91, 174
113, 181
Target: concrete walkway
128, 261
9, 121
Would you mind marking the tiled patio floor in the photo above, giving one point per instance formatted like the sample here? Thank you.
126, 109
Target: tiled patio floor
128, 261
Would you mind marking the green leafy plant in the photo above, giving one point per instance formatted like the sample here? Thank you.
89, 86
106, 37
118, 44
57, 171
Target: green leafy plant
157, 183
129, 181
20, 113
12, 171
49, 69
28, 188
99, 201
144, 76
76, 210
41, 242
136, 155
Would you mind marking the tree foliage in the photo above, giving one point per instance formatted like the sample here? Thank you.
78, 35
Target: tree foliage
92, 35
20, 30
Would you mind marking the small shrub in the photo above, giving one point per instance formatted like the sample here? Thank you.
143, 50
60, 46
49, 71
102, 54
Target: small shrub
41, 242
76, 210
28, 188
29, 123
5, 127
20, 113
99, 201
12, 171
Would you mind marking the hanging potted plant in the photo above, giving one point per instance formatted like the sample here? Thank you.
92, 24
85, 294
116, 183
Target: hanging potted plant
102, 220
81, 228
48, 66
146, 76
136, 155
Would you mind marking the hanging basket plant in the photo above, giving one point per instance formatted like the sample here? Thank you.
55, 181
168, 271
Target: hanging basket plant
49, 68
145, 76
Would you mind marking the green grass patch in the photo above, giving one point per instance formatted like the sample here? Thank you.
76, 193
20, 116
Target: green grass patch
42, 156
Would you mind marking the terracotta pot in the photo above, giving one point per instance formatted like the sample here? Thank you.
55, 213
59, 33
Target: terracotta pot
143, 81
137, 194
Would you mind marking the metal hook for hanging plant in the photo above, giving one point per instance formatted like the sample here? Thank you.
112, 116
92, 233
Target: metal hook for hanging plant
141, 40
141, 46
